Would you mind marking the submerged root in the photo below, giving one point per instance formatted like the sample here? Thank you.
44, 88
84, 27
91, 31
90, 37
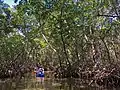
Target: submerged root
109, 77
105, 76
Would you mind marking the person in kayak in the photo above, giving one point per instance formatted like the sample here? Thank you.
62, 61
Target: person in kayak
40, 74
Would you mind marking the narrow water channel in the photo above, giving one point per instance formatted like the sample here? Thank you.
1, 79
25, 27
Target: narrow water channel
31, 83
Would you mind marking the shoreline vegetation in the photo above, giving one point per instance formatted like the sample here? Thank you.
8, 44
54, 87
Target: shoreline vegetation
101, 76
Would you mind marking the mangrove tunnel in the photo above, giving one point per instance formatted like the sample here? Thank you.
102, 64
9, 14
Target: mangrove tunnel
75, 42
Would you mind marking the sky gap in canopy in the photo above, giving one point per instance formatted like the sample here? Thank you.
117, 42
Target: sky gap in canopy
10, 2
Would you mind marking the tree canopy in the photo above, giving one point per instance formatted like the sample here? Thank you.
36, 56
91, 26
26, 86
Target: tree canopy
69, 34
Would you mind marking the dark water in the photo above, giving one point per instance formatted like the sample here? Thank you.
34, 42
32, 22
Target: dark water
31, 83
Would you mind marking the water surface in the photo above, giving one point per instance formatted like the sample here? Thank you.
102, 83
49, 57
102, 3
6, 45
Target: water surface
31, 83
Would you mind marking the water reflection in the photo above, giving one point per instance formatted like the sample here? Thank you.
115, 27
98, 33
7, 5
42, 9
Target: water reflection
48, 84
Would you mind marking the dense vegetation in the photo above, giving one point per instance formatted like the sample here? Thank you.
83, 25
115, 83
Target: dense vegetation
75, 38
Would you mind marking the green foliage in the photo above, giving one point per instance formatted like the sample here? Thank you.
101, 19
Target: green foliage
62, 32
